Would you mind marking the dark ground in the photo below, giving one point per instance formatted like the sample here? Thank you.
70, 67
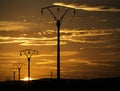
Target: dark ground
64, 84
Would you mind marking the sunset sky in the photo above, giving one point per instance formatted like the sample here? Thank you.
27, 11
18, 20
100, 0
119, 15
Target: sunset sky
90, 39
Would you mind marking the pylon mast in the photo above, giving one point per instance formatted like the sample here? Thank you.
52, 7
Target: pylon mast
58, 24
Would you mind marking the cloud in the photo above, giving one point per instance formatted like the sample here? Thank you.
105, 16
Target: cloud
88, 62
45, 61
75, 35
41, 43
69, 53
86, 36
13, 26
7, 62
28, 41
63, 53
87, 8
9, 55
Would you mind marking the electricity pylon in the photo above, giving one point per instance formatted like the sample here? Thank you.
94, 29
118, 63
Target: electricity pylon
19, 66
51, 74
28, 53
58, 24
14, 73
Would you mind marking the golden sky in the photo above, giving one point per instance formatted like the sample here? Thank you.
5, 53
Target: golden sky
89, 44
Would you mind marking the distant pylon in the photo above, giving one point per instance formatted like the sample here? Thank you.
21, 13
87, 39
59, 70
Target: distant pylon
28, 53
19, 66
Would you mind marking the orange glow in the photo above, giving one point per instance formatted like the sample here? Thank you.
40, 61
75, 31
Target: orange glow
26, 79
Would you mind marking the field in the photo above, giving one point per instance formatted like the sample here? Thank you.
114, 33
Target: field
61, 85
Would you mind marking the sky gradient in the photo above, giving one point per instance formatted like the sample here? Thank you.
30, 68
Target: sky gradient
90, 43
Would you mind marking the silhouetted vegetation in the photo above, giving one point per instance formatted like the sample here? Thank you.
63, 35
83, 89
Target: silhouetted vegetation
64, 84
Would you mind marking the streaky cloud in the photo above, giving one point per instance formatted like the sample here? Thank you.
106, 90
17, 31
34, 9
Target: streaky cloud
28, 41
88, 62
87, 8
13, 26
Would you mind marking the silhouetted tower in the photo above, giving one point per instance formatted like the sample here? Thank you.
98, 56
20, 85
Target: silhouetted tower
58, 24
28, 53
14, 73
19, 66
51, 74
